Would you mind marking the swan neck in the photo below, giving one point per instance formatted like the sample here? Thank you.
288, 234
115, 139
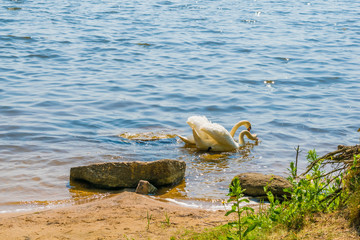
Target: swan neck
236, 126
243, 134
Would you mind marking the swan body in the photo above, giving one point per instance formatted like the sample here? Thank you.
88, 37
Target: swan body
196, 122
214, 137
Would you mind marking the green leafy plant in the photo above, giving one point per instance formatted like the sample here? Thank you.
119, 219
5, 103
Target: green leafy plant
243, 224
319, 189
316, 192
310, 194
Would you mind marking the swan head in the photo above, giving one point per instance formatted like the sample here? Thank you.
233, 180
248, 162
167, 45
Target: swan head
255, 137
245, 123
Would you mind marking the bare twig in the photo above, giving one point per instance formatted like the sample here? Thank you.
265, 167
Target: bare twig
331, 172
328, 183
335, 193
297, 157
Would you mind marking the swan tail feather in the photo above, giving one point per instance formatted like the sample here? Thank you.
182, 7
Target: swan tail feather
187, 140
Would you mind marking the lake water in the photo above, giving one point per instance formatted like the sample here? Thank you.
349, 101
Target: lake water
79, 77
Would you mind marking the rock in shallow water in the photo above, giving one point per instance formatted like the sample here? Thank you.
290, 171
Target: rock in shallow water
254, 184
128, 174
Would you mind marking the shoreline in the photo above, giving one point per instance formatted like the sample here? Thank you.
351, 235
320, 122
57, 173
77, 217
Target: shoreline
126, 215
44, 205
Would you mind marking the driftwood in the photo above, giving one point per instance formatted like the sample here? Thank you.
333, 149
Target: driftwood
343, 156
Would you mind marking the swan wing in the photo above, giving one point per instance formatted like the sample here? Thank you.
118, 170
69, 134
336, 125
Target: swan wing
210, 135
220, 136
201, 139
196, 122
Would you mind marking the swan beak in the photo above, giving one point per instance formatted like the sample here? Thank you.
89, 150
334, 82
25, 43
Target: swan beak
249, 128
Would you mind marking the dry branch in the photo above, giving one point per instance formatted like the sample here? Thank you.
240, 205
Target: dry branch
343, 155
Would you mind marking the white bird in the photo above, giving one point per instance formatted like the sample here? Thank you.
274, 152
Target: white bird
212, 136
196, 122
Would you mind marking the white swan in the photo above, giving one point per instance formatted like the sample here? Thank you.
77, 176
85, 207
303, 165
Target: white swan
214, 137
196, 122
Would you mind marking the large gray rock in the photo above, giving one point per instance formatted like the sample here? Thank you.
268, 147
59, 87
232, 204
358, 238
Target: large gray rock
128, 174
254, 184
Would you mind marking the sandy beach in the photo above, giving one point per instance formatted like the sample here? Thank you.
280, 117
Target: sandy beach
123, 216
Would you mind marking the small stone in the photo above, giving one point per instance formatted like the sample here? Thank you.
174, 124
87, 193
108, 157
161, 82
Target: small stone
144, 187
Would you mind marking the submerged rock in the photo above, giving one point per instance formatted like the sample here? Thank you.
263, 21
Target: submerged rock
144, 187
128, 174
254, 184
